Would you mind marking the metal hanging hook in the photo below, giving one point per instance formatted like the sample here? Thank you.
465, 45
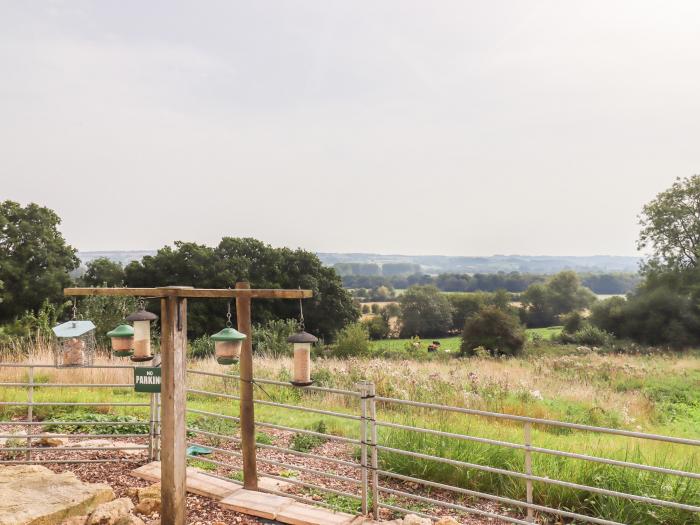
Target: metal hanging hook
228, 315
75, 309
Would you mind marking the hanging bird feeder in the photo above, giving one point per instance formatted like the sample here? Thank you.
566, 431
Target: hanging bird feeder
228, 342
75, 344
302, 342
142, 332
122, 340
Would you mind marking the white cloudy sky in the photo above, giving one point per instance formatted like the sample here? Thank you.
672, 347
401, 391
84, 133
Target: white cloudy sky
464, 127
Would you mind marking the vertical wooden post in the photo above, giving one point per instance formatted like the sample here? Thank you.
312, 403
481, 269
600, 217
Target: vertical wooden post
247, 411
173, 398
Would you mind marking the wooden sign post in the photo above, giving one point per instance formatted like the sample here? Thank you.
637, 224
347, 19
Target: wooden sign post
173, 354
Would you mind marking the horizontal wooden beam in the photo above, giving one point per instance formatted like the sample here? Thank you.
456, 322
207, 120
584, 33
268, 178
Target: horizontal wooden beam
192, 293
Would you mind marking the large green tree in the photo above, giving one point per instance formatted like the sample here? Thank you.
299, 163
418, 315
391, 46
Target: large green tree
671, 227
543, 304
425, 312
104, 272
665, 308
35, 259
245, 259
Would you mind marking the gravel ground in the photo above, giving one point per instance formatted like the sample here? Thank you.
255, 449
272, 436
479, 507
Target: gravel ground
203, 511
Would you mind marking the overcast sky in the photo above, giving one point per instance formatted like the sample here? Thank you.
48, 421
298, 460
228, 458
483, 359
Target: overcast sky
434, 127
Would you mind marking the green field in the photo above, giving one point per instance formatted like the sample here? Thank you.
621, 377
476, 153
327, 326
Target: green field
450, 345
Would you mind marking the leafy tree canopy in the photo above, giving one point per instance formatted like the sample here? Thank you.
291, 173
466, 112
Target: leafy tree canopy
104, 272
245, 259
35, 259
671, 227
425, 312
542, 304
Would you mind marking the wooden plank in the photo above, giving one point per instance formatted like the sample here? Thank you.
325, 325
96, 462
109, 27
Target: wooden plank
247, 410
193, 293
256, 503
198, 482
301, 514
173, 398
117, 292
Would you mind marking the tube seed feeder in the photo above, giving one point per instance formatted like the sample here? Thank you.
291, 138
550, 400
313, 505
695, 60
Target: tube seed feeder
302, 342
142, 333
228, 342
122, 340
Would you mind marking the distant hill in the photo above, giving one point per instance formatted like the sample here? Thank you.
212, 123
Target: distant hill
436, 264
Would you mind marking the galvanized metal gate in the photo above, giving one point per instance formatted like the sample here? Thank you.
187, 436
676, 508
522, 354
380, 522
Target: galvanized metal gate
370, 481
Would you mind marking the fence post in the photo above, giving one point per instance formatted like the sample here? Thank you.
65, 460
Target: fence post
527, 428
362, 386
156, 444
152, 428
371, 392
30, 411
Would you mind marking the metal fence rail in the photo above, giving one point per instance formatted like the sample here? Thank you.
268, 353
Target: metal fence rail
33, 453
372, 484
367, 479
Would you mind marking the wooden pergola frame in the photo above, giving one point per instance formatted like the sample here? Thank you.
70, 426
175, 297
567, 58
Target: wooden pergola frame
173, 354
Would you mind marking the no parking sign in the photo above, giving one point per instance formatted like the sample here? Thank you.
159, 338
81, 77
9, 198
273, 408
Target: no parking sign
147, 379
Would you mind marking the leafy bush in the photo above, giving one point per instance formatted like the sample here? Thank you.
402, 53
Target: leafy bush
353, 340
270, 339
201, 347
67, 425
573, 322
495, 330
588, 335
377, 327
307, 442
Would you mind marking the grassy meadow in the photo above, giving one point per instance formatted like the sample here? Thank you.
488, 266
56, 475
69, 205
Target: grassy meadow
657, 393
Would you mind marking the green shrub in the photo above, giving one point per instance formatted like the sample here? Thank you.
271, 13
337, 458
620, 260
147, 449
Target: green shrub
270, 339
201, 347
377, 327
307, 442
263, 438
495, 330
66, 425
588, 335
352, 341
425, 311
573, 322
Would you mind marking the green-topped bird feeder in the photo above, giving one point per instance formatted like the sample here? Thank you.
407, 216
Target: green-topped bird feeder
227, 345
122, 340
228, 342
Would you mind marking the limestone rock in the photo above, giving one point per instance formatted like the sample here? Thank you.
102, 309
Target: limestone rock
34, 495
110, 513
148, 506
150, 492
51, 441
412, 519
447, 520
129, 520
75, 520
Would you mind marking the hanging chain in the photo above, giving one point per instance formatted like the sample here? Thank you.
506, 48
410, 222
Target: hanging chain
75, 309
301, 314
142, 304
228, 315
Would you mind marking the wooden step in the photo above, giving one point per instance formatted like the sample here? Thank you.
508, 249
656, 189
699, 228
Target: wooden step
198, 482
254, 503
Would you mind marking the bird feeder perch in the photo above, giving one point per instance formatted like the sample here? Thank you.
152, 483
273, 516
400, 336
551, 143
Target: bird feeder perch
302, 342
142, 333
122, 340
